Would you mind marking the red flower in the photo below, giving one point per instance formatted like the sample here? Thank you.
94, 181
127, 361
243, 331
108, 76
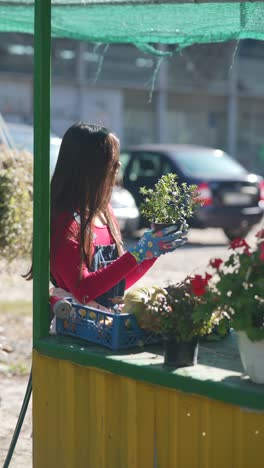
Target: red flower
260, 234
207, 277
239, 242
262, 252
199, 284
215, 263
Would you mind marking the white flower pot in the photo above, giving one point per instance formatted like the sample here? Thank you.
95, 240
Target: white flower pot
252, 357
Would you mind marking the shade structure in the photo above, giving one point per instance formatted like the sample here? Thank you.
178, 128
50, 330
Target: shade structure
141, 22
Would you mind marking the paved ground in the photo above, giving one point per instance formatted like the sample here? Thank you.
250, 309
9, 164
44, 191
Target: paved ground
16, 322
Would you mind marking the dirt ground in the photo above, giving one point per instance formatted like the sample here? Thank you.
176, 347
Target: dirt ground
15, 361
12, 390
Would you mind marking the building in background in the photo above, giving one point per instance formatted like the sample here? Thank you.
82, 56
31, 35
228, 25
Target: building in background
209, 94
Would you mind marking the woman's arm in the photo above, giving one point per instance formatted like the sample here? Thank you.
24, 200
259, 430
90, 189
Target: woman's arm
65, 267
138, 272
140, 269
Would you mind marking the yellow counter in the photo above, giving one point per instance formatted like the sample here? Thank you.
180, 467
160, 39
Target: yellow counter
97, 409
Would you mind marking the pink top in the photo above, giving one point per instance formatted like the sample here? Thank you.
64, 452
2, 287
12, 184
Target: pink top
65, 262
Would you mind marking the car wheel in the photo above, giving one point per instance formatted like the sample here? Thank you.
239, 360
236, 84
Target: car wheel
233, 233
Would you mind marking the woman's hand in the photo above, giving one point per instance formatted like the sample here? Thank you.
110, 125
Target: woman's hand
156, 243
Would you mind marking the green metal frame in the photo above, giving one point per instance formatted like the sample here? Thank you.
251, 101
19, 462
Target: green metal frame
41, 223
227, 387
62, 348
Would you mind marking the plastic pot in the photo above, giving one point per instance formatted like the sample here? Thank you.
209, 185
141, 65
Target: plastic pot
252, 357
180, 354
159, 226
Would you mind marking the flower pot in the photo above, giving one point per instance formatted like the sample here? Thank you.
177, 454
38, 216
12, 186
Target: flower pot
180, 354
252, 357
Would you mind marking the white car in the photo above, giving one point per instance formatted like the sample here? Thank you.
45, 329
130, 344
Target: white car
122, 201
125, 209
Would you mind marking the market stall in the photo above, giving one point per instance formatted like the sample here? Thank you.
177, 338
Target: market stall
97, 408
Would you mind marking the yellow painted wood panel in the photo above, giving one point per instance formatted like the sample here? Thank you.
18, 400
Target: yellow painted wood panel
88, 418
45, 412
238, 438
82, 415
161, 428
128, 438
173, 428
191, 430
253, 439
145, 425
96, 432
66, 413
113, 411
204, 427
223, 434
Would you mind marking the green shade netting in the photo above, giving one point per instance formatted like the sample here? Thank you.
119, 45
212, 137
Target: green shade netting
141, 22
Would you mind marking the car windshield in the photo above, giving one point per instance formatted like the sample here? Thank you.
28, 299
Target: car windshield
208, 164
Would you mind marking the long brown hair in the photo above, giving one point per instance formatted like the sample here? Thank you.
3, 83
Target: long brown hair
83, 181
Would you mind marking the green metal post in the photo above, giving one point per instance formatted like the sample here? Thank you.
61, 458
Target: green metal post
41, 223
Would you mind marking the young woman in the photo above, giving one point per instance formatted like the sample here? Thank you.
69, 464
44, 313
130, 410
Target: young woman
87, 257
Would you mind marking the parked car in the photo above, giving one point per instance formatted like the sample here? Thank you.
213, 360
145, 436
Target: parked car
233, 198
122, 201
126, 210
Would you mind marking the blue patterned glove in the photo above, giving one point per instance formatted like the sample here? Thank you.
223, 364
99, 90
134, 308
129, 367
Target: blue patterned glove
155, 243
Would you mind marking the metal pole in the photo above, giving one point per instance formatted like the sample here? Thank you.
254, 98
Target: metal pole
41, 222
81, 48
161, 103
232, 106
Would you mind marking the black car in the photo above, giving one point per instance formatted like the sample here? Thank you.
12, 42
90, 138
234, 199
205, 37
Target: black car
233, 198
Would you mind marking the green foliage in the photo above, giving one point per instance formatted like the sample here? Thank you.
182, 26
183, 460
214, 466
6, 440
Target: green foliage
169, 202
15, 203
173, 314
237, 289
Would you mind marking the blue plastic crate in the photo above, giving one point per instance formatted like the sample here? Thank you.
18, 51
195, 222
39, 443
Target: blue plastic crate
111, 329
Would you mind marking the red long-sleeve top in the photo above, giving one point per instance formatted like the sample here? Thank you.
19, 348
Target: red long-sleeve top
65, 262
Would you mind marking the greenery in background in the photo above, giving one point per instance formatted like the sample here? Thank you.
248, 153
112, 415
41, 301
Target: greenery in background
169, 202
16, 203
237, 288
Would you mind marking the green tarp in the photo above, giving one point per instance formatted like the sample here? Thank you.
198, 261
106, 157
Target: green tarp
141, 22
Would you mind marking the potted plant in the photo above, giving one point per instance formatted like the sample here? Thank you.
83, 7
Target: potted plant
169, 202
237, 289
169, 312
